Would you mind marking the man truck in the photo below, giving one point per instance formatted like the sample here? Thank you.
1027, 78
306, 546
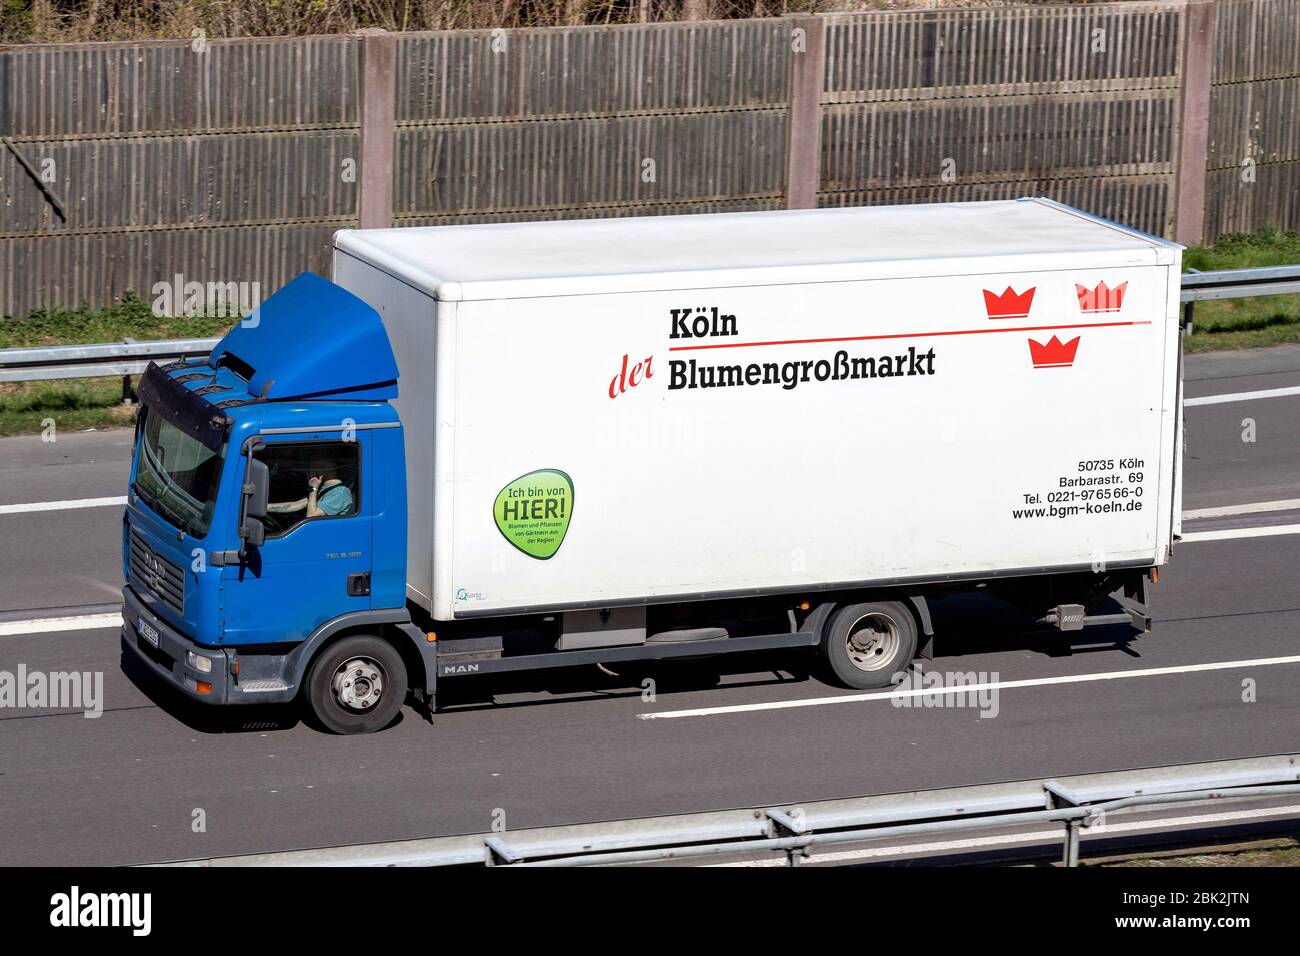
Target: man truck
492, 448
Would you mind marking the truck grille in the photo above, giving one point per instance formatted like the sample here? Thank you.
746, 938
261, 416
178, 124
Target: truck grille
153, 571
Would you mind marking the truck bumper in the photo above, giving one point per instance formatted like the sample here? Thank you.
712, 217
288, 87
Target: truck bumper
266, 679
263, 677
171, 655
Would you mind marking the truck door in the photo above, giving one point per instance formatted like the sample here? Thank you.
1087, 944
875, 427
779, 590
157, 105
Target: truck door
315, 562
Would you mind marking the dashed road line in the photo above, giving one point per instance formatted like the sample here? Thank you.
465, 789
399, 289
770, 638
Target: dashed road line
53, 625
68, 505
1257, 507
1241, 396
1227, 534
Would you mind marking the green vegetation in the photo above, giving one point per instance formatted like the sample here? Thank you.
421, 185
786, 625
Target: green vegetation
1245, 323
76, 404
73, 405
130, 318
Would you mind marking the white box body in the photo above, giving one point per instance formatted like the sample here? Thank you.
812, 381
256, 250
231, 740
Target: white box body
988, 450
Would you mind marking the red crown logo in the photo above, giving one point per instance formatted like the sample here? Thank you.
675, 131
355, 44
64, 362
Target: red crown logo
1054, 353
1008, 305
1101, 299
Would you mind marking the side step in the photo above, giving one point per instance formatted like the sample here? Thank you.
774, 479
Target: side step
266, 685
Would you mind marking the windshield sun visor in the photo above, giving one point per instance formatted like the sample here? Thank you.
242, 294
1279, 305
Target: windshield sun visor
182, 408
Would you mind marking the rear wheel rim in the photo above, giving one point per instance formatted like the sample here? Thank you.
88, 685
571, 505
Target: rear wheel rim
872, 642
358, 684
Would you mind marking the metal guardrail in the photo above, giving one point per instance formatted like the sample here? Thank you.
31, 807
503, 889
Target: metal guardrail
131, 358
1239, 283
1234, 284
128, 357
1077, 803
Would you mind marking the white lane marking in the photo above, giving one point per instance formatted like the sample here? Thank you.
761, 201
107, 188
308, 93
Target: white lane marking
1266, 532
50, 625
1258, 507
972, 688
62, 505
1241, 396
1037, 836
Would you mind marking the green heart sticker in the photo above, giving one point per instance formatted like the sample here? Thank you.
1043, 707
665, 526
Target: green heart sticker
533, 511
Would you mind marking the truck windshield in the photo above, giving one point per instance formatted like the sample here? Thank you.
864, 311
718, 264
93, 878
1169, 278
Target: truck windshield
177, 476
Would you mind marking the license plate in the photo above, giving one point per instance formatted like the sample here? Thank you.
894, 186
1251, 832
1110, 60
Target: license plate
147, 631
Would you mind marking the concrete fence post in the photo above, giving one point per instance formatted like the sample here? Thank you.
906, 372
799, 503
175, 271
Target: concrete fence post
377, 69
1194, 121
803, 143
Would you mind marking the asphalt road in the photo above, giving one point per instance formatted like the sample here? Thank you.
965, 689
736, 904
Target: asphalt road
573, 747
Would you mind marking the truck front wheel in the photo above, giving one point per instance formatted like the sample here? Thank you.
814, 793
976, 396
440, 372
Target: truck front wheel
357, 685
869, 645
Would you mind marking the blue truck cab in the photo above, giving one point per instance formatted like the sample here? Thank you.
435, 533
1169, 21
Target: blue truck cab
264, 538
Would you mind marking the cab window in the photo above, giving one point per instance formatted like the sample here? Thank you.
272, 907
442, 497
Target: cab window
310, 481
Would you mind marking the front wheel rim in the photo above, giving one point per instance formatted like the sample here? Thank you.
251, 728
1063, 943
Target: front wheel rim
872, 642
358, 684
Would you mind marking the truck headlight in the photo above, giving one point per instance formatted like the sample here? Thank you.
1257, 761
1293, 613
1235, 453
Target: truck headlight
201, 664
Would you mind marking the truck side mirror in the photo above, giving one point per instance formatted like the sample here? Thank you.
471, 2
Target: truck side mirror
257, 489
257, 492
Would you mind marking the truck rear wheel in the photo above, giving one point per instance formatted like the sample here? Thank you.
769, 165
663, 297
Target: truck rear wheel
869, 645
357, 685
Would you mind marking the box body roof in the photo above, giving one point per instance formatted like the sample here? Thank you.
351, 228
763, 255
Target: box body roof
592, 256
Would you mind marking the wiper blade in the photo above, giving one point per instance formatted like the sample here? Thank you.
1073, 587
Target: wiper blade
180, 521
157, 504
